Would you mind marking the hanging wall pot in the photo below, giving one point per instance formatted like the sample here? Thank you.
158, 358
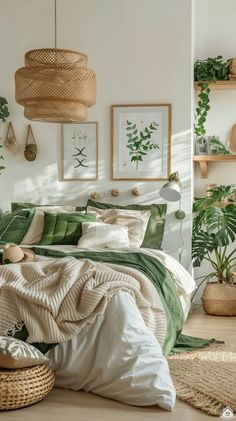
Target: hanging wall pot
10, 142
30, 145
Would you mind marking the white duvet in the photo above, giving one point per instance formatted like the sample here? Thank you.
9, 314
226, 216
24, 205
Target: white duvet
117, 356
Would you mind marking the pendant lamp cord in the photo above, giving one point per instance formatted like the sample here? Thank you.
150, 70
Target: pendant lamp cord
55, 22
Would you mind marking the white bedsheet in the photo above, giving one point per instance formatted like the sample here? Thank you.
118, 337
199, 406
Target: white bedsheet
116, 357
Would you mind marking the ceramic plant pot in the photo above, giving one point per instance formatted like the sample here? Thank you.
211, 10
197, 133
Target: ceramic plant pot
219, 299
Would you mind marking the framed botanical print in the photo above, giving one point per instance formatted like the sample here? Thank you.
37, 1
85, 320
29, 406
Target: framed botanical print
141, 142
80, 151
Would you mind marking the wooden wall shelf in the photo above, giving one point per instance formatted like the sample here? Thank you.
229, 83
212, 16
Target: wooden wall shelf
219, 84
204, 159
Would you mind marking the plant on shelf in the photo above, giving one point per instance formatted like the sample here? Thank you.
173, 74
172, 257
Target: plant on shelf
217, 147
4, 114
214, 232
206, 72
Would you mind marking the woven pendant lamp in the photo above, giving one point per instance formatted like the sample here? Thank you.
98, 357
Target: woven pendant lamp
55, 85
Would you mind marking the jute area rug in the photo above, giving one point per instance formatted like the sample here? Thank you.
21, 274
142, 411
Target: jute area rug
206, 378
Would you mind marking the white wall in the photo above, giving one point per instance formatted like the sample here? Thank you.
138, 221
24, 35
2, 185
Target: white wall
141, 52
214, 34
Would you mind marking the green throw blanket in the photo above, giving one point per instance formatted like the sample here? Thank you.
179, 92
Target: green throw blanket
175, 341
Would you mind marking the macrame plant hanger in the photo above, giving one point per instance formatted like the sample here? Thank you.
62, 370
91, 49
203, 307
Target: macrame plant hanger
10, 142
30, 145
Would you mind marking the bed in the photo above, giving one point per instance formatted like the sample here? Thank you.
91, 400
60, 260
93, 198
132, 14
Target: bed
132, 306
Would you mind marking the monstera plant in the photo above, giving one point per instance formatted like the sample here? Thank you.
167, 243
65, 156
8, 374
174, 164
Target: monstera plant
214, 234
4, 114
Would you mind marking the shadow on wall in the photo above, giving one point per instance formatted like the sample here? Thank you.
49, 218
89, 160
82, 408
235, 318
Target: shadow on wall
47, 189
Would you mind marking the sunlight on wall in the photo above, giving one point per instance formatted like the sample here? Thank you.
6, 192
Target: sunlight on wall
118, 83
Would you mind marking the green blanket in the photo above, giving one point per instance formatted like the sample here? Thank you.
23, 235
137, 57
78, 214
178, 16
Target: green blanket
175, 341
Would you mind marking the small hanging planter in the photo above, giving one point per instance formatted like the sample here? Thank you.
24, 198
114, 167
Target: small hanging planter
30, 145
10, 142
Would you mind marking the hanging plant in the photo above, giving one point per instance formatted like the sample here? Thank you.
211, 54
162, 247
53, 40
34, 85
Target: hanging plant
4, 114
206, 72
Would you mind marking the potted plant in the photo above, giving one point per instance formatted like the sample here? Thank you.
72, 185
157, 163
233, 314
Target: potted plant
206, 72
214, 233
202, 145
4, 114
215, 146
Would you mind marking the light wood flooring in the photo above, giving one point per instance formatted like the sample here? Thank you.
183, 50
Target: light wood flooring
64, 405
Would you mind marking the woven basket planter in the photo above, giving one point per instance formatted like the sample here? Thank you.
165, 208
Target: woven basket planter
219, 299
25, 386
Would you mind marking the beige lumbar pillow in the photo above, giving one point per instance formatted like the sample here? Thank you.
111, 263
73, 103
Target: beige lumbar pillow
135, 221
100, 235
15, 353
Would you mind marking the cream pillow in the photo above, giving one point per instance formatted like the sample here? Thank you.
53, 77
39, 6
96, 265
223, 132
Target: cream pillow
35, 231
135, 221
15, 353
99, 235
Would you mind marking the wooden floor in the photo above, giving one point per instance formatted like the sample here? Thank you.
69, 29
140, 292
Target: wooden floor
63, 405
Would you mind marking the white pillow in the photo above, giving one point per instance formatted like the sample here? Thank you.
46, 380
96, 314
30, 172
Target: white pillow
135, 221
99, 235
117, 357
34, 233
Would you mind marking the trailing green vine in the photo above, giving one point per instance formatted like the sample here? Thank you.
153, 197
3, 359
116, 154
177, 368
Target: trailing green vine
203, 106
206, 72
4, 114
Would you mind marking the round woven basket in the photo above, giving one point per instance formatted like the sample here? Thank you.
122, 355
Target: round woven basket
25, 386
219, 299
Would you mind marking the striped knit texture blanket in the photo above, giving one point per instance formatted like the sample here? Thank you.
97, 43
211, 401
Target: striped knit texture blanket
56, 298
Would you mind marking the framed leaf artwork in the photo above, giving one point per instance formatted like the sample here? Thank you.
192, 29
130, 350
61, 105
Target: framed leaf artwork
80, 151
141, 142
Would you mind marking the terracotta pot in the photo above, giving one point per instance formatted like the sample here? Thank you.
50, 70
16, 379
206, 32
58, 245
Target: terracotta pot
219, 299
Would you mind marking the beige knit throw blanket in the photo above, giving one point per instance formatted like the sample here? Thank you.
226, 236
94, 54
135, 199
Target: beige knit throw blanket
56, 298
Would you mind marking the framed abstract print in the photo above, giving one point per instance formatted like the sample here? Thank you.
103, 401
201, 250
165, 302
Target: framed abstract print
80, 151
141, 142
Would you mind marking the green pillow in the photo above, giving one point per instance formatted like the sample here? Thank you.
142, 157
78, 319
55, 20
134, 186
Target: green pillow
63, 228
156, 224
25, 205
21, 205
13, 226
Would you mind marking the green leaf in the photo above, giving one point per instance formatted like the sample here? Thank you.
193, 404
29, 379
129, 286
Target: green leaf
202, 244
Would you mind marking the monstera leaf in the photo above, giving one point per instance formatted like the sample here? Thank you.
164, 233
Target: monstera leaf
203, 243
222, 223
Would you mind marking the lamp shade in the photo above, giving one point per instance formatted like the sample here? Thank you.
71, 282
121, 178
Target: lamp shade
170, 191
55, 85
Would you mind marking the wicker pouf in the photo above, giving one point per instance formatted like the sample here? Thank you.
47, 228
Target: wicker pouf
25, 386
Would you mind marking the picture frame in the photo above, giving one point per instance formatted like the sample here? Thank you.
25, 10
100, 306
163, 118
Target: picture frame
141, 142
80, 151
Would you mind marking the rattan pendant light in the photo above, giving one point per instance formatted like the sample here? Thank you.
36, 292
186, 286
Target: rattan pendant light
55, 85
